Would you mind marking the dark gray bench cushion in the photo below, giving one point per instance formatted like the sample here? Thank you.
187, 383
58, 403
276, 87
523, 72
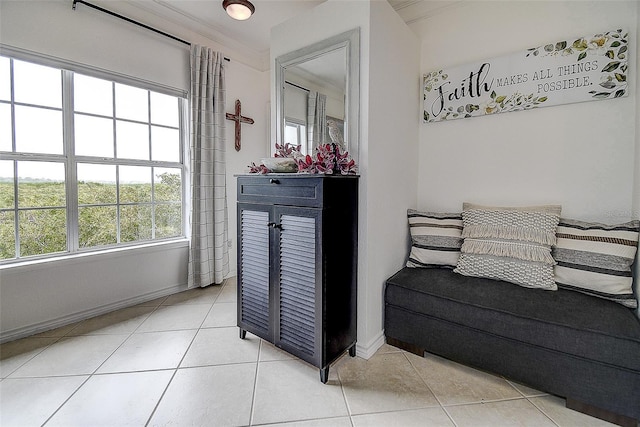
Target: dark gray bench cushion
569, 322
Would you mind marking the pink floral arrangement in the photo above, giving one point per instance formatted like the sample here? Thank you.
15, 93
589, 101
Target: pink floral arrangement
288, 150
327, 159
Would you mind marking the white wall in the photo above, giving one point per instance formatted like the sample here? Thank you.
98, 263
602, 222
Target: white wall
578, 155
41, 296
90, 37
584, 156
388, 133
251, 87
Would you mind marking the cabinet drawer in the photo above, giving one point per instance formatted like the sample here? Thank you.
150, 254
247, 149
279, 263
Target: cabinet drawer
276, 189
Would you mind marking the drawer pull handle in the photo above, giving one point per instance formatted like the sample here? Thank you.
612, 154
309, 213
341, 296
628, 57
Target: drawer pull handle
274, 225
274, 181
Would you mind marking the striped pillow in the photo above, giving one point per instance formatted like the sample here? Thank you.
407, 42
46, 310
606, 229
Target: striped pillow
596, 259
435, 239
510, 244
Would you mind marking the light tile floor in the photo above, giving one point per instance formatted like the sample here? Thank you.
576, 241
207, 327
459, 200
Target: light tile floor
179, 361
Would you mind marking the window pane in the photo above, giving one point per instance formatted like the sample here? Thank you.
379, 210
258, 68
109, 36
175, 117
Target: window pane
7, 235
165, 144
133, 140
36, 84
165, 110
168, 185
5, 127
291, 134
38, 130
96, 184
7, 196
135, 184
94, 136
40, 184
42, 231
5, 79
97, 226
91, 95
132, 103
168, 221
135, 223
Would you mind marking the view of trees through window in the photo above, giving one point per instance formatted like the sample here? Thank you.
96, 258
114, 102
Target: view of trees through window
97, 168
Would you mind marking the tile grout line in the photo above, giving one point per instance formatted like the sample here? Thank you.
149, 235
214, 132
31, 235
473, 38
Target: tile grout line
155, 408
422, 379
56, 339
430, 389
543, 412
177, 368
344, 394
91, 375
255, 384
66, 400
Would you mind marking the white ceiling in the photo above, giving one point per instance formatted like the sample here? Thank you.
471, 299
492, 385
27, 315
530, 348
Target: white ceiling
207, 19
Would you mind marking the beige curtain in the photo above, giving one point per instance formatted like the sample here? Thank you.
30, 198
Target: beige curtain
208, 252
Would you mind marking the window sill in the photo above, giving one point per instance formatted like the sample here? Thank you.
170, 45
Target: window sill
16, 267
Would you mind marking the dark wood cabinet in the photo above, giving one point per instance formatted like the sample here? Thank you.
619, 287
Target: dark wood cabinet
297, 263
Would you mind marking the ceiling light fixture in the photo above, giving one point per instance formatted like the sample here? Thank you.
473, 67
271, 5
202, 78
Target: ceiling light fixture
239, 9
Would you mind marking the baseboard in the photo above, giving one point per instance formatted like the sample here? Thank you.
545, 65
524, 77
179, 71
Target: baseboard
37, 328
369, 349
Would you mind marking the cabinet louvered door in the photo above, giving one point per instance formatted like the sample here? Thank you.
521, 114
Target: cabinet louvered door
297, 263
254, 273
298, 300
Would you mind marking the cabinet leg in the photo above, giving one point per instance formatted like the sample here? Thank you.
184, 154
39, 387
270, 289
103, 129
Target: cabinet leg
352, 351
324, 374
243, 334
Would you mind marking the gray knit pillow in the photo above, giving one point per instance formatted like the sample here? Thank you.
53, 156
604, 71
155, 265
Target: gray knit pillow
510, 244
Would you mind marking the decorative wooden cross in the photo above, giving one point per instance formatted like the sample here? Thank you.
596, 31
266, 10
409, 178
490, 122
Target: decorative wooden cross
238, 118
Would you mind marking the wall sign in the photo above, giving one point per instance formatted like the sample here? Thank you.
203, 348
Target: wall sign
573, 70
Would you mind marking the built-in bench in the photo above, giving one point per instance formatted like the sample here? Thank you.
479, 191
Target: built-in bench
583, 348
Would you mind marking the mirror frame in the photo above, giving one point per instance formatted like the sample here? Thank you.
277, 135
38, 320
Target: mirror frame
350, 40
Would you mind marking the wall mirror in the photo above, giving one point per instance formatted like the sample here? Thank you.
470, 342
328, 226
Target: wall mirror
317, 94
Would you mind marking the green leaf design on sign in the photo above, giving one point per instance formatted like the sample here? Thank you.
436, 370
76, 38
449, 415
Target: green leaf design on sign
621, 77
619, 93
560, 45
582, 56
615, 44
608, 85
609, 54
493, 94
611, 66
544, 98
580, 44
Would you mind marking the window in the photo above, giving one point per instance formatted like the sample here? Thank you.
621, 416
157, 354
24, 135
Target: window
86, 163
295, 133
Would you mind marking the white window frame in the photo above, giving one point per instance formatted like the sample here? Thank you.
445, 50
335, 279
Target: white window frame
302, 134
70, 160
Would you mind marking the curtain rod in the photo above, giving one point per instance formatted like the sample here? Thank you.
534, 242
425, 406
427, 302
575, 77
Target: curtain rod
140, 24
295, 85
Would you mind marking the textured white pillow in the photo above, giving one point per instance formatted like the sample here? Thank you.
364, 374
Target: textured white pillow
510, 243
